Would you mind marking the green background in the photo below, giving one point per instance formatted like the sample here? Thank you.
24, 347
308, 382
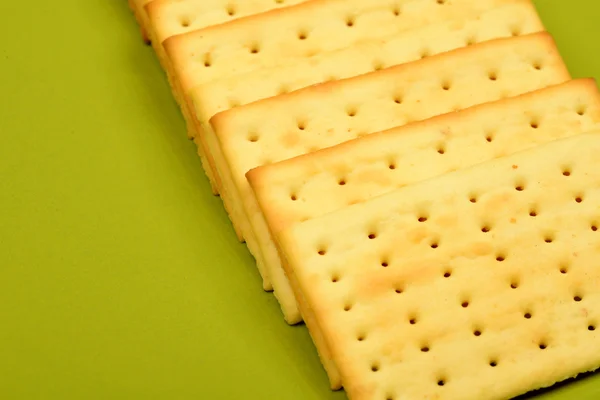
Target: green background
120, 275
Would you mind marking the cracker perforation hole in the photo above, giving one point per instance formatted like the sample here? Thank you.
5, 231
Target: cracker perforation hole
254, 48
434, 244
399, 289
253, 137
519, 187
465, 304
372, 235
398, 99
500, 257
441, 149
396, 10
230, 10
493, 76
591, 327
543, 346
564, 269
392, 166
425, 53
577, 298
579, 199
485, 229
185, 22
322, 251
446, 85
342, 182
470, 41
412, 320
347, 307
477, 332
594, 227
302, 35
581, 110
385, 263
293, 197
378, 65
350, 21
527, 315
441, 382
566, 172
548, 238
207, 60
493, 363
301, 125
441, 2
537, 65
283, 89
514, 284
515, 31
375, 367
351, 111
425, 349
533, 212
447, 273
534, 124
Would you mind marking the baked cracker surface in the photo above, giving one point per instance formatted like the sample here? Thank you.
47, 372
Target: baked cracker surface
481, 283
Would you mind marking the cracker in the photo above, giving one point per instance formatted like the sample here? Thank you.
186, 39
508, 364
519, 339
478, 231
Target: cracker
282, 36
519, 18
423, 293
292, 191
279, 128
166, 18
219, 95
303, 30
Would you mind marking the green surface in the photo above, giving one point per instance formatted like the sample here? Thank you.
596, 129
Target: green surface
120, 276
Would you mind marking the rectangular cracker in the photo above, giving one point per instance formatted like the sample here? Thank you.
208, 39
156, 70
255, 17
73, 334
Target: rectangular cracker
324, 115
284, 35
292, 191
166, 18
220, 95
481, 283
518, 18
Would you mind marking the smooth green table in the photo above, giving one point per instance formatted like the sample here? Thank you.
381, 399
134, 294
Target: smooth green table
120, 275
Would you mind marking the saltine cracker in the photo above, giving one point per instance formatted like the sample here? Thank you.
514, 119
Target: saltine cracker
480, 283
291, 191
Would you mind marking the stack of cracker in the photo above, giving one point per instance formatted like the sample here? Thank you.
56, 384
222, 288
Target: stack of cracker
418, 181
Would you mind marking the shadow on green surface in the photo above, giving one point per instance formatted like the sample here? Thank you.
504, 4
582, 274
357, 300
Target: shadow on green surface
567, 389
